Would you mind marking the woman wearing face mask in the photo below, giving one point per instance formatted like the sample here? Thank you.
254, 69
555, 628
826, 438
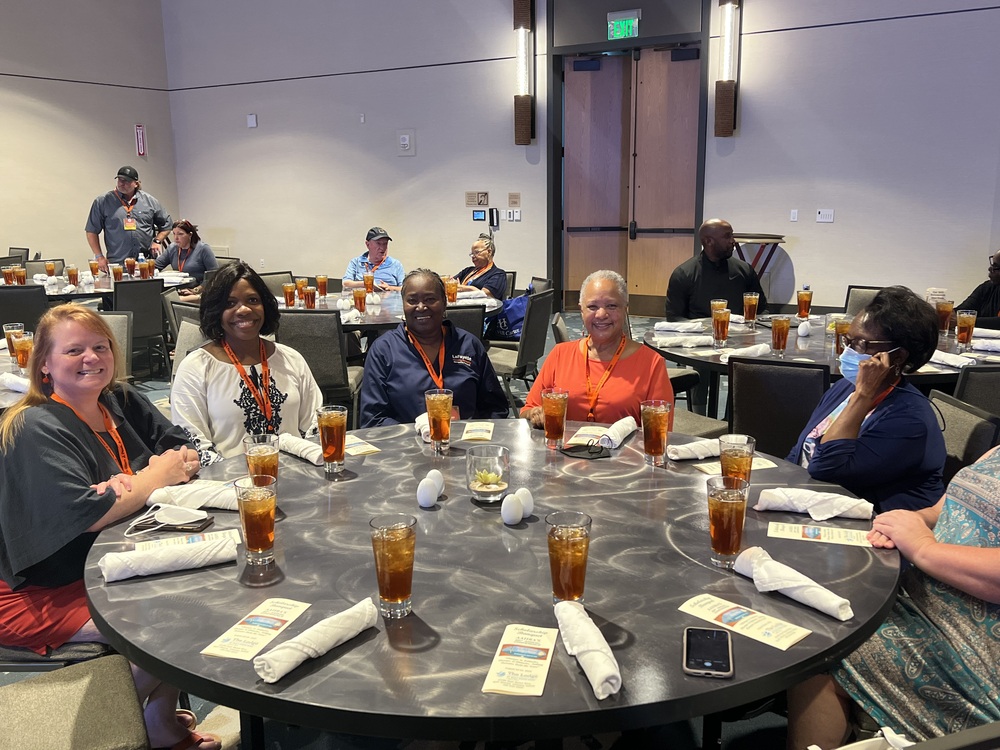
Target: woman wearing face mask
873, 432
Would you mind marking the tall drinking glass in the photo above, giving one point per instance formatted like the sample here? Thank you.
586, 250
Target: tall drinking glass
369, 279
95, 267
50, 268
288, 290
116, 271
717, 304
736, 455
720, 328
72, 274
944, 308
130, 266
727, 507
394, 541
261, 452
23, 345
554, 402
359, 300
332, 421
779, 334
750, 301
805, 299
8, 275
309, 297
20, 275
655, 425
840, 328
451, 289
300, 284
966, 322
257, 501
569, 544
12, 331
438, 402
321, 284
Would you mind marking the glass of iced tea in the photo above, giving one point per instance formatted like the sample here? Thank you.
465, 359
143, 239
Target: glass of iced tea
805, 299
130, 266
750, 301
309, 297
720, 328
321, 284
262, 454
438, 402
966, 322
554, 402
72, 274
151, 265
288, 289
50, 268
257, 501
569, 543
727, 508
655, 426
12, 331
717, 304
779, 334
369, 279
359, 300
144, 270
394, 540
95, 267
840, 328
23, 345
451, 289
736, 455
944, 308
20, 275
332, 422
8, 275
117, 272
300, 285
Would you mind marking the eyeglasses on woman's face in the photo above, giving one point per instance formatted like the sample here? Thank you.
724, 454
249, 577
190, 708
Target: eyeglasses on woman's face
861, 345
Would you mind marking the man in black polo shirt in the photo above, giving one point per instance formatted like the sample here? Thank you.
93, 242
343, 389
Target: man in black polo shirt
712, 274
985, 298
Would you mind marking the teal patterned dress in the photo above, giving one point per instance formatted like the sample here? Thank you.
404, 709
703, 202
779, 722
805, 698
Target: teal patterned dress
933, 667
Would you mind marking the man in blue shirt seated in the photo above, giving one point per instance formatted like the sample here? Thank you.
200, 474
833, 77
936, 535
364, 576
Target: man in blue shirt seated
388, 271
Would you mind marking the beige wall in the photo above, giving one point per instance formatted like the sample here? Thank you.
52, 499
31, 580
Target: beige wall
72, 87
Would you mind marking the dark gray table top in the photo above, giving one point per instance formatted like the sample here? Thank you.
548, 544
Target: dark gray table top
421, 677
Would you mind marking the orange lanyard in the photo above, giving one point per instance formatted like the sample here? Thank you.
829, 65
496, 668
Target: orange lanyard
109, 426
437, 377
477, 274
127, 206
592, 392
262, 399
181, 261
374, 268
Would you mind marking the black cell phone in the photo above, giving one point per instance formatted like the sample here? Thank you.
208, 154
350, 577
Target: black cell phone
192, 527
708, 652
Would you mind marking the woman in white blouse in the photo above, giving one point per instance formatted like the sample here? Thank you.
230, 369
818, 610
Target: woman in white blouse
240, 384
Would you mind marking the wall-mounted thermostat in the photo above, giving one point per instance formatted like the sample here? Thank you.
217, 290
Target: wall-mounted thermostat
479, 215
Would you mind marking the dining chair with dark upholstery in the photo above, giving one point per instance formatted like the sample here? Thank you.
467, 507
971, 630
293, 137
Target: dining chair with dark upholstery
189, 338
32, 267
560, 333
319, 337
772, 401
185, 311
469, 318
274, 279
23, 304
168, 296
522, 363
979, 385
858, 298
18, 255
511, 281
120, 323
540, 284
142, 297
224, 259
968, 432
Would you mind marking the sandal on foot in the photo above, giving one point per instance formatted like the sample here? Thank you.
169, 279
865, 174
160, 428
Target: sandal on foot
187, 719
194, 741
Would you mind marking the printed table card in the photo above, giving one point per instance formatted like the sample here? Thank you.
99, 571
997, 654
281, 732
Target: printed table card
247, 637
521, 663
749, 622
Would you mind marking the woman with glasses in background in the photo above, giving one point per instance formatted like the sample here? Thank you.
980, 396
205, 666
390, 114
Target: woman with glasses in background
483, 273
873, 432
985, 298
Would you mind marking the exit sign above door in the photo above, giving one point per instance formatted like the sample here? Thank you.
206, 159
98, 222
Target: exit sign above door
624, 24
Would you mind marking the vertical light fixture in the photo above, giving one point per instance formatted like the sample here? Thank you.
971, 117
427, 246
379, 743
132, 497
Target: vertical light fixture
729, 66
524, 99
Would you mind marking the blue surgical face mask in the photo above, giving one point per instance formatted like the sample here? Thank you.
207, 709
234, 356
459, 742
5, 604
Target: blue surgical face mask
849, 362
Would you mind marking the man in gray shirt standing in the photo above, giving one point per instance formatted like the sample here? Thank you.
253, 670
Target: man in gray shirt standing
133, 221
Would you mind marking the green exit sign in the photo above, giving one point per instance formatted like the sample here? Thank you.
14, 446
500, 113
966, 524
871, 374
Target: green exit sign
623, 24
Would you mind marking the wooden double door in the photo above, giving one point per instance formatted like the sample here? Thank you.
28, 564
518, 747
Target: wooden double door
630, 171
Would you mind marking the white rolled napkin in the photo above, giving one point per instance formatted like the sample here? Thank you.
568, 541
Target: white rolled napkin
13, 382
307, 449
737, 319
116, 566
986, 333
681, 326
316, 641
757, 350
583, 640
694, 450
686, 342
198, 493
69, 289
472, 294
771, 575
985, 345
951, 360
618, 432
40, 278
819, 505
3, 341
422, 425
350, 316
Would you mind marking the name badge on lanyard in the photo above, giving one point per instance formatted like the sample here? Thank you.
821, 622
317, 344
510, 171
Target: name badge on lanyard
130, 224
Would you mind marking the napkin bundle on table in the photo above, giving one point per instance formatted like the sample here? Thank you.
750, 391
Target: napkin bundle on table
697, 449
737, 319
819, 505
951, 360
116, 566
985, 333
307, 449
985, 345
686, 342
40, 278
13, 382
315, 641
618, 432
350, 316
583, 640
771, 575
422, 425
199, 493
472, 294
681, 326
757, 350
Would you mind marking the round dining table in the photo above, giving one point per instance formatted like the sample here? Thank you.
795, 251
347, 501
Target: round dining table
421, 676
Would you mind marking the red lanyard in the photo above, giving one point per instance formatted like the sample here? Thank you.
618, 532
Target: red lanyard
262, 398
477, 274
127, 206
592, 392
437, 377
181, 261
109, 425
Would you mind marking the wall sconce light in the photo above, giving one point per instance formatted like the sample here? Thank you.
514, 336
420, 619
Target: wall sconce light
729, 66
524, 98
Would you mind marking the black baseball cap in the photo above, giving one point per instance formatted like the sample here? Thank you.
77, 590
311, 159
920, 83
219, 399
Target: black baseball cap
128, 172
377, 233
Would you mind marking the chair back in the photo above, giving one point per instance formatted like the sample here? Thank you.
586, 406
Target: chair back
979, 385
189, 338
168, 296
968, 432
275, 279
224, 259
772, 401
185, 311
559, 331
511, 281
32, 267
540, 284
469, 319
142, 297
120, 323
319, 337
23, 304
858, 298
534, 330
208, 275
18, 255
